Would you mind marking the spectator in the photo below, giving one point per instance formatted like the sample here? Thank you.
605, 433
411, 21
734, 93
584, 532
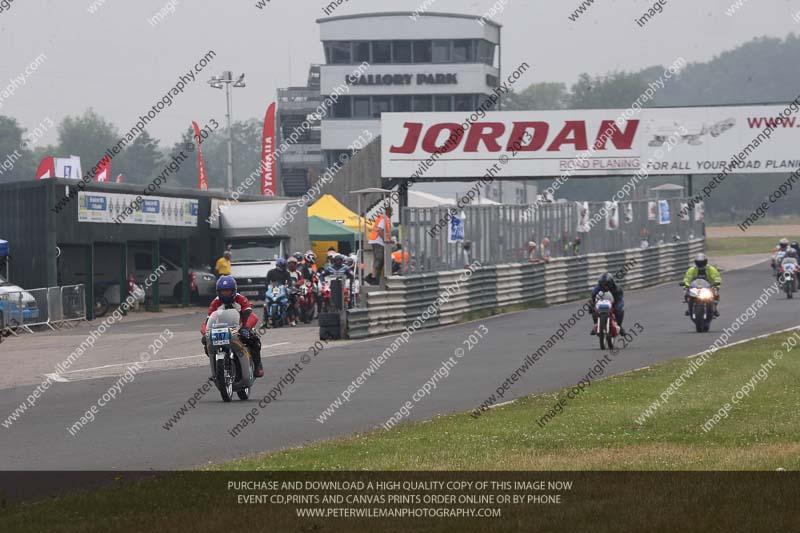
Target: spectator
532, 249
545, 250
644, 233
223, 266
467, 253
566, 244
380, 235
400, 260
576, 246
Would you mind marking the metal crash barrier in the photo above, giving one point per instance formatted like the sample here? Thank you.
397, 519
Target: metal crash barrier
409, 300
52, 307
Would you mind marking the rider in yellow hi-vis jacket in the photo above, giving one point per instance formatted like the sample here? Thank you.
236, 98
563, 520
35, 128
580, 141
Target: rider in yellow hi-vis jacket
702, 270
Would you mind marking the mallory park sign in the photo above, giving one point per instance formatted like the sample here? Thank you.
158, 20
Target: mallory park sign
402, 79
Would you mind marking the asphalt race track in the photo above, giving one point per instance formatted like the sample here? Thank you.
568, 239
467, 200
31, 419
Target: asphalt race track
128, 432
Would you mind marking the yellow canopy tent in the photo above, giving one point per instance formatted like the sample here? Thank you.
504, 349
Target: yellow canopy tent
330, 208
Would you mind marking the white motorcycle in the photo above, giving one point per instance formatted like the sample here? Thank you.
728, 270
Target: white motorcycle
787, 275
607, 328
232, 365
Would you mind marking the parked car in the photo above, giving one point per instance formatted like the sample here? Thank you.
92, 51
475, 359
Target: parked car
170, 283
17, 305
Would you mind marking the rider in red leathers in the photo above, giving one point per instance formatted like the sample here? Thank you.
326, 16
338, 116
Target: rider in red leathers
228, 298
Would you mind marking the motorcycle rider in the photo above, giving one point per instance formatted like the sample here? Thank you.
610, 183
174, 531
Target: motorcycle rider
606, 283
790, 258
781, 248
294, 276
278, 276
338, 266
291, 266
229, 298
702, 270
308, 268
796, 246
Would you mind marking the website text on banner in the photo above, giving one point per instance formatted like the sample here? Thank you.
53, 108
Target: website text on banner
622, 145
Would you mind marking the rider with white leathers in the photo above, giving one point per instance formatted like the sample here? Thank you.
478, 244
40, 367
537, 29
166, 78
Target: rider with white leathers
790, 258
606, 283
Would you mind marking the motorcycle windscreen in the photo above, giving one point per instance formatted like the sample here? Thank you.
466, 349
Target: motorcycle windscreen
700, 284
605, 295
222, 318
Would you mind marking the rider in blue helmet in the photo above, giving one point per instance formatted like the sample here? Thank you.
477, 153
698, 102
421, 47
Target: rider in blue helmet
228, 298
279, 274
226, 289
606, 283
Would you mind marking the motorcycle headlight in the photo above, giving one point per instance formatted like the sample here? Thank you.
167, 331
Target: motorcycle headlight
706, 294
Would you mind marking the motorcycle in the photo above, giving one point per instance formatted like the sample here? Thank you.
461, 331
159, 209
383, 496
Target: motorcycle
107, 296
606, 327
325, 296
306, 300
232, 365
777, 258
276, 303
325, 292
788, 278
702, 299
293, 305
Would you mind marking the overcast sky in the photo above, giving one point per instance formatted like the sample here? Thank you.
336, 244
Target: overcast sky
117, 63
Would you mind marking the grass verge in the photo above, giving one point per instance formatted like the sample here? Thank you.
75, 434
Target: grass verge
596, 431
740, 245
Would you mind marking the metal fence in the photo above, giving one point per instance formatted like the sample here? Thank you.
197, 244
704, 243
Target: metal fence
51, 307
499, 234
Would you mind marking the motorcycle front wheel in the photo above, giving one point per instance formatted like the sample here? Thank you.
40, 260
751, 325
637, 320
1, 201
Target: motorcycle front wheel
224, 382
601, 333
699, 317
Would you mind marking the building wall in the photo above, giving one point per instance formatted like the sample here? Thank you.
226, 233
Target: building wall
399, 25
34, 229
25, 218
362, 171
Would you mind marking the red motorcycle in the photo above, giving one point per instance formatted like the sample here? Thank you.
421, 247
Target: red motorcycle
325, 295
306, 300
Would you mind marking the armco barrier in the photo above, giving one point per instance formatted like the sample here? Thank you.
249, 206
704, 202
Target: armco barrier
500, 286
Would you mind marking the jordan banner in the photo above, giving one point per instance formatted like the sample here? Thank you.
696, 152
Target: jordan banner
751, 139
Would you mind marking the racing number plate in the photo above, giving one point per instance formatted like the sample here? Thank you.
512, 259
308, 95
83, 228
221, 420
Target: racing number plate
220, 336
